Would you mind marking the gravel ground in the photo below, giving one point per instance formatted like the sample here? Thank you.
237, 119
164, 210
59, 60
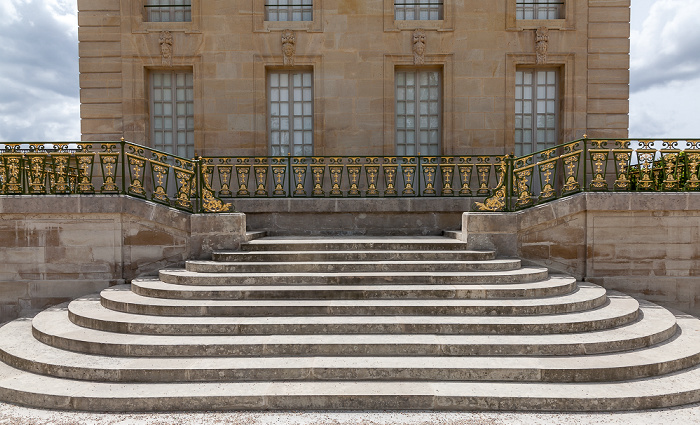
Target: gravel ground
16, 415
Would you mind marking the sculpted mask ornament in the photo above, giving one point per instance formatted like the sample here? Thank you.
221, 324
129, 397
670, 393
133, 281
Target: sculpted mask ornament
166, 48
541, 45
419, 47
289, 47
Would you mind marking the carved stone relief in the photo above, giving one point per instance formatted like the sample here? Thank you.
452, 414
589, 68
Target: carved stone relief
166, 48
541, 44
289, 47
419, 47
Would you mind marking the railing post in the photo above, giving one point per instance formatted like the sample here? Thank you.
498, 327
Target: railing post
509, 182
198, 182
123, 161
585, 162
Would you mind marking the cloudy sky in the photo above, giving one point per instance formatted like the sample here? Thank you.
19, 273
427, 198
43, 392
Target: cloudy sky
39, 95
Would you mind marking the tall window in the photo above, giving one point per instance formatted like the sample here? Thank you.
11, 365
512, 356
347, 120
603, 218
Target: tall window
172, 112
418, 10
169, 10
418, 112
539, 9
288, 10
291, 118
536, 110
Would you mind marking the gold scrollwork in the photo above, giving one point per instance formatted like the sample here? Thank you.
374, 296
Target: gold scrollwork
599, 162
225, 172
372, 175
37, 173
86, 162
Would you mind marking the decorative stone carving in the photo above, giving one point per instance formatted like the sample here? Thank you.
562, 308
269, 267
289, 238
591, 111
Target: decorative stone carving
166, 48
541, 44
419, 47
289, 47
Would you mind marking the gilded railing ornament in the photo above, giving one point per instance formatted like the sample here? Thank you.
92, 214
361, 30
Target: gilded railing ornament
299, 170
335, 169
548, 170
86, 162
260, 169
447, 171
109, 159
408, 170
483, 171
599, 161
390, 169
465, 168
210, 203
497, 201
429, 166
184, 177
279, 172
225, 171
572, 161
372, 175
354, 170
137, 166
160, 171
523, 173
243, 175
318, 169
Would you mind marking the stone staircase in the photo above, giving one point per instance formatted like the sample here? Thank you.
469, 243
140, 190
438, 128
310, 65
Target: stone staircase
352, 323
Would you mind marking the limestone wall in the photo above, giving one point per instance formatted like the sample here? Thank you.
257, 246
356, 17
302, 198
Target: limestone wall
363, 216
59, 247
644, 244
353, 48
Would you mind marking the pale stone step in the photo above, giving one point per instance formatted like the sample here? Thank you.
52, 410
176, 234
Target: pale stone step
199, 266
184, 277
28, 389
555, 285
357, 255
348, 243
120, 298
88, 312
19, 349
54, 328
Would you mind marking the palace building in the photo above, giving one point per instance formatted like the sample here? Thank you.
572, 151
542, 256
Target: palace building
313, 77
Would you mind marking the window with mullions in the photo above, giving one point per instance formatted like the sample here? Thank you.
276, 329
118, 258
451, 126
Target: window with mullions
169, 10
172, 112
288, 10
418, 112
418, 10
536, 110
539, 9
291, 115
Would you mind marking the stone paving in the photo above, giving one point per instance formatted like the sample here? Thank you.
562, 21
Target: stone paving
16, 415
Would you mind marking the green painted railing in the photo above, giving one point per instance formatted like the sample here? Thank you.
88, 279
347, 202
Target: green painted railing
504, 183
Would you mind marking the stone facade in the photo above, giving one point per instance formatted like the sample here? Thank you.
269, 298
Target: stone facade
353, 49
643, 244
70, 246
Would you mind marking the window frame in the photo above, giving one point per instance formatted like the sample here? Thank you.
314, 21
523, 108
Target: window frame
148, 9
566, 21
141, 25
392, 24
417, 115
537, 6
261, 24
292, 103
536, 102
416, 7
189, 144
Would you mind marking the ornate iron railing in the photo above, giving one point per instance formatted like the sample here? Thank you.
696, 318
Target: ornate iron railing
597, 165
353, 176
106, 168
505, 183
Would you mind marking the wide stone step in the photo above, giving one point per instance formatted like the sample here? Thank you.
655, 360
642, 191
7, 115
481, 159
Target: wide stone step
54, 328
351, 266
341, 243
366, 255
184, 277
555, 285
88, 312
120, 298
29, 389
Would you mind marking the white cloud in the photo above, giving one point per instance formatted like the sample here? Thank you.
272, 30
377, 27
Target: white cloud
39, 94
670, 110
666, 47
